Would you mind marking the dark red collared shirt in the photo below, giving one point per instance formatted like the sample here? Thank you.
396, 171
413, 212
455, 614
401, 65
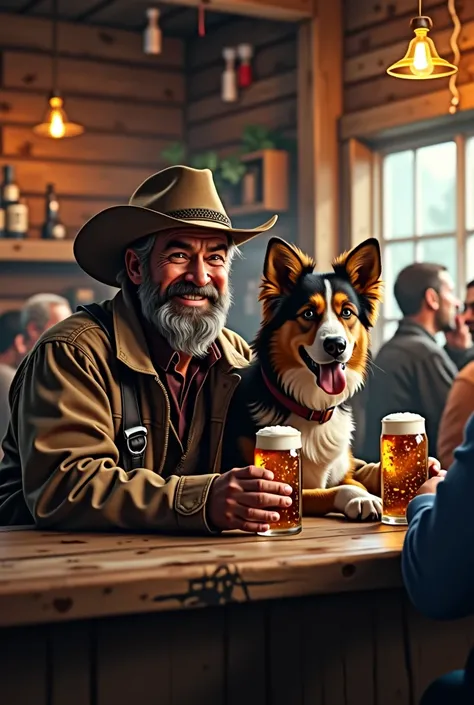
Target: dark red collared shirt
182, 390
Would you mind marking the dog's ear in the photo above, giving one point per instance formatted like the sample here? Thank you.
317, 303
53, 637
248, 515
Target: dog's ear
363, 267
284, 265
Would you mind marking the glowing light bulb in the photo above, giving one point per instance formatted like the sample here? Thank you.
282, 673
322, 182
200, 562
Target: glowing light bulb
56, 127
422, 64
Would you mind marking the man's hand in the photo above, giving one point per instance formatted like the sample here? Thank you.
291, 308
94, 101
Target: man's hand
460, 338
246, 499
437, 475
434, 468
429, 487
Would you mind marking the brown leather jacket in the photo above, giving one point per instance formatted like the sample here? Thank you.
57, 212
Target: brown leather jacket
61, 465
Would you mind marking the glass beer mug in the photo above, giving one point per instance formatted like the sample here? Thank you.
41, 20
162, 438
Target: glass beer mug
278, 448
404, 463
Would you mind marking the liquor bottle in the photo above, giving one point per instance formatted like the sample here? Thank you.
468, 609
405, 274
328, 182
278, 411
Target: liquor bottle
16, 219
2, 220
10, 193
53, 228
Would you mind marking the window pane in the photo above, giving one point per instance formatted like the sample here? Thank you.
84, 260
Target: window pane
398, 195
436, 188
397, 255
470, 258
443, 250
470, 184
389, 329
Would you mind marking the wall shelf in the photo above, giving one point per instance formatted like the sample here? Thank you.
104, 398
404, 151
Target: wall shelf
264, 186
35, 250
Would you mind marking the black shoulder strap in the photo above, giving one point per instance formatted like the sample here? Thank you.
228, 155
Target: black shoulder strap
134, 433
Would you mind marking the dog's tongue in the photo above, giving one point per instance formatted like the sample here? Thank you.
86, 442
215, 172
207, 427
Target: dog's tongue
332, 379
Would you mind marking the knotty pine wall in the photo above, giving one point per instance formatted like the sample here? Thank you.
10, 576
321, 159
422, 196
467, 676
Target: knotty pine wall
376, 34
131, 105
217, 126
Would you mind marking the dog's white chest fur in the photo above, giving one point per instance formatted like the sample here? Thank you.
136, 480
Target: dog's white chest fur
325, 451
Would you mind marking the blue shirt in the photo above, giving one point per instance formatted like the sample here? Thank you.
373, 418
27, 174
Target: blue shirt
438, 552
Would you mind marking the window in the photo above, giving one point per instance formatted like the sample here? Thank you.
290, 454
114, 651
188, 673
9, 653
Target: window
427, 214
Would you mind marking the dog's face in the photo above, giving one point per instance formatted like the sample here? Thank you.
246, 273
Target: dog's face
315, 328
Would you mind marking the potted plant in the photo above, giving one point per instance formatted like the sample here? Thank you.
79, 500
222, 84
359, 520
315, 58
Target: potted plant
231, 173
175, 153
266, 178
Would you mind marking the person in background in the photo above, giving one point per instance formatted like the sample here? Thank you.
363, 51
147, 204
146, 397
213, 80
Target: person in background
438, 563
468, 314
412, 372
41, 312
12, 351
460, 403
458, 409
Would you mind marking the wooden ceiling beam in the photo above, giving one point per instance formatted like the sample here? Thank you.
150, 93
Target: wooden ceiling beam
289, 10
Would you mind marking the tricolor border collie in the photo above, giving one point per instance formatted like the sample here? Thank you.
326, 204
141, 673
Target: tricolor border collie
311, 356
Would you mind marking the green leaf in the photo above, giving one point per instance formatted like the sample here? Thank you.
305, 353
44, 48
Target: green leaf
232, 170
175, 153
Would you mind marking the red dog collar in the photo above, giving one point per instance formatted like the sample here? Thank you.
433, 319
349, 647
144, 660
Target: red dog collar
299, 409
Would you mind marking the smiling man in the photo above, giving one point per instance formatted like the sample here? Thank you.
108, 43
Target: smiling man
118, 412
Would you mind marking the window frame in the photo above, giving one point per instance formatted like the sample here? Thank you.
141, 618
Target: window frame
462, 235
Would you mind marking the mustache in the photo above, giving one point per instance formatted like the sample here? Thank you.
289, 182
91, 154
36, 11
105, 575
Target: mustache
187, 288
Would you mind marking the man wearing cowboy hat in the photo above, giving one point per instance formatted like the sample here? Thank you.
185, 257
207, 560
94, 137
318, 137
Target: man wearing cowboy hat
170, 250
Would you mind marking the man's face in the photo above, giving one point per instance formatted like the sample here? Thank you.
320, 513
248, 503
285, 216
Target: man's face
448, 304
469, 309
57, 313
184, 291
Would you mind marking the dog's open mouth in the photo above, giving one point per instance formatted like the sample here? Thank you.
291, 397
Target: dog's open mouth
330, 377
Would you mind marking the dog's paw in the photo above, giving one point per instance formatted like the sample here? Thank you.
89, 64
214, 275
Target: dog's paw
357, 504
367, 508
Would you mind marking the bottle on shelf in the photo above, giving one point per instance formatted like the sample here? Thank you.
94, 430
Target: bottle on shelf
16, 219
53, 227
2, 220
10, 192
14, 208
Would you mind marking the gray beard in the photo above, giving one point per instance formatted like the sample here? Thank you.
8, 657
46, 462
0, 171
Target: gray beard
187, 329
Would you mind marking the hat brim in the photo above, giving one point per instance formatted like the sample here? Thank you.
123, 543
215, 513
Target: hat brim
100, 244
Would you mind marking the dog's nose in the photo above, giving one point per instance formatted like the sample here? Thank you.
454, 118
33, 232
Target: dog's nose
334, 346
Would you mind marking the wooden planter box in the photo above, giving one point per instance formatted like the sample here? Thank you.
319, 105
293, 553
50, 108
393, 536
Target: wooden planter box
265, 186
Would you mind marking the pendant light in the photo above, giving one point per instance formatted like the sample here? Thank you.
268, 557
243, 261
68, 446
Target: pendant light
421, 61
55, 123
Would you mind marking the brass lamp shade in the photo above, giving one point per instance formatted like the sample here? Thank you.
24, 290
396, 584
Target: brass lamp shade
55, 123
422, 60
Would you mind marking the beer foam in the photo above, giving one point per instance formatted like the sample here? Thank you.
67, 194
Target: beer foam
403, 423
278, 438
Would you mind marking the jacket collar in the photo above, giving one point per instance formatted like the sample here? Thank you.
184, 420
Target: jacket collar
408, 327
131, 345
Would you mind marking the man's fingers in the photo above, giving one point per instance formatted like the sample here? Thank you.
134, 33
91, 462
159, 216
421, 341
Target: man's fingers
253, 514
242, 524
253, 528
261, 485
262, 500
252, 471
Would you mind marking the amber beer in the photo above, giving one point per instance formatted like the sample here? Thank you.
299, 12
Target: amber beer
278, 448
404, 463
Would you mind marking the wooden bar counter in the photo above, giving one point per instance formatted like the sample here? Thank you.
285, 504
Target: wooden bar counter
316, 619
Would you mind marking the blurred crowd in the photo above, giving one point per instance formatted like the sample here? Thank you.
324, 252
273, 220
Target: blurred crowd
19, 331
427, 367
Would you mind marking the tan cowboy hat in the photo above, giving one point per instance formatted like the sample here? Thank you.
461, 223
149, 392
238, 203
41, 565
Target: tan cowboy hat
178, 196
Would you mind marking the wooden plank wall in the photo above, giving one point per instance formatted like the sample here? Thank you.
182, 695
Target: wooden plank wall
217, 126
376, 34
131, 105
